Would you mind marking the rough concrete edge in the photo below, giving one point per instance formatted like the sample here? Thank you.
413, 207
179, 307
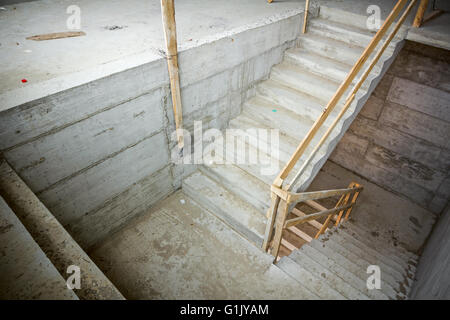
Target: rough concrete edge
52, 86
60, 251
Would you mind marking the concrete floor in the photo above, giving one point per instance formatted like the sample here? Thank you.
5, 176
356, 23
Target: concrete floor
118, 37
178, 250
394, 217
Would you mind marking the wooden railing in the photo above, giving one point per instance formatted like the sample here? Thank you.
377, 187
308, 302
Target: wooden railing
282, 197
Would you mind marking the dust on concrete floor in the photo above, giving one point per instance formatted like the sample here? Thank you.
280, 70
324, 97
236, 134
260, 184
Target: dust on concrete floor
178, 250
386, 214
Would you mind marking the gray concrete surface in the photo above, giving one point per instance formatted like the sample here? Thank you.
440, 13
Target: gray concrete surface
434, 33
433, 271
400, 140
53, 239
52, 66
395, 219
178, 250
98, 140
25, 271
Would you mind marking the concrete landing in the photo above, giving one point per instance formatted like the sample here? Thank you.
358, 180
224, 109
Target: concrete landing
119, 36
435, 32
390, 217
177, 250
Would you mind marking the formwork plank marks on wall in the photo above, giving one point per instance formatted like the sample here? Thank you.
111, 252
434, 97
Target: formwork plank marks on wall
95, 226
401, 143
416, 124
38, 117
87, 191
419, 97
45, 161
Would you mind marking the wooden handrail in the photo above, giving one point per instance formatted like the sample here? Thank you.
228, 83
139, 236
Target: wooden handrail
315, 216
352, 94
305, 16
278, 182
418, 19
281, 195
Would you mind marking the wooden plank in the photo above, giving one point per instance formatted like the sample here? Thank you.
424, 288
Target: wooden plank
339, 92
170, 35
349, 210
329, 218
314, 216
315, 195
288, 245
272, 213
279, 226
300, 233
56, 35
305, 17
432, 15
420, 13
300, 213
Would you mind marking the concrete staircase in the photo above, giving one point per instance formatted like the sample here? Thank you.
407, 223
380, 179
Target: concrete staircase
335, 265
293, 97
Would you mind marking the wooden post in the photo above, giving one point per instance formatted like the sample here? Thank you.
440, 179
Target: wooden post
305, 16
170, 34
272, 214
420, 13
279, 226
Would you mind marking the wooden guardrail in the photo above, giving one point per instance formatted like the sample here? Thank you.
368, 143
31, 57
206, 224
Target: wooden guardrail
282, 198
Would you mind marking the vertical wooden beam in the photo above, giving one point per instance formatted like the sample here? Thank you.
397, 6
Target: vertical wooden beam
279, 226
420, 13
272, 214
170, 34
305, 16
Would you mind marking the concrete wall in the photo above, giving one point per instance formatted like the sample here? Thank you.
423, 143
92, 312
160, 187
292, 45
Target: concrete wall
433, 271
400, 140
100, 153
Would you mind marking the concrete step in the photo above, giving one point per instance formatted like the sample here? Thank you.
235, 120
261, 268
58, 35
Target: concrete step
317, 64
332, 48
323, 246
291, 99
243, 184
328, 68
351, 19
391, 257
346, 248
335, 282
338, 50
287, 144
238, 214
54, 240
339, 31
307, 279
25, 271
291, 123
295, 77
367, 252
335, 268
382, 243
